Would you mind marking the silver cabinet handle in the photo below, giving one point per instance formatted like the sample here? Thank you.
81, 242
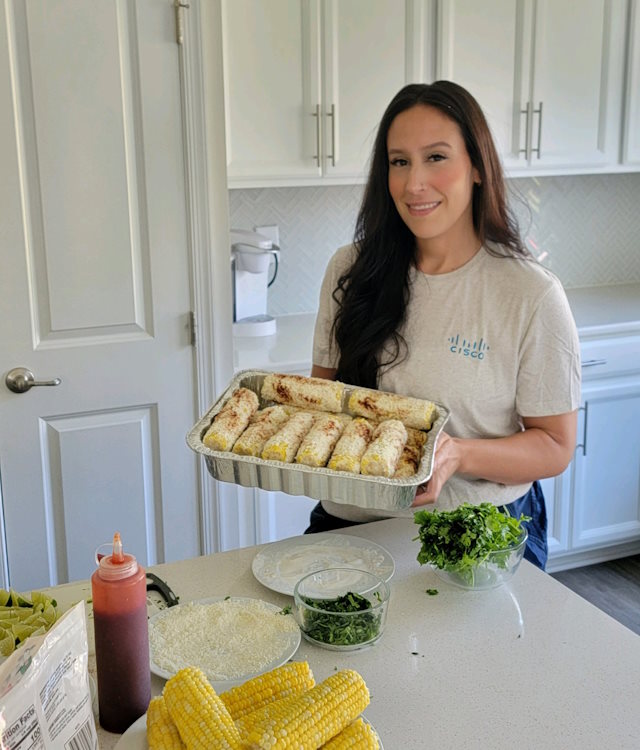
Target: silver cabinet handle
583, 444
316, 114
332, 115
539, 113
594, 362
20, 380
527, 131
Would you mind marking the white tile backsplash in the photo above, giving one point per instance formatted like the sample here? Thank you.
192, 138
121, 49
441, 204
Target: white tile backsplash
586, 229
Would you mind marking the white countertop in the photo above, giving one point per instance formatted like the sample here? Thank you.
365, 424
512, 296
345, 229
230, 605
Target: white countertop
527, 665
598, 311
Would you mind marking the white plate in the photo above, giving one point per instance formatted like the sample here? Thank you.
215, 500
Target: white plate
135, 738
280, 565
289, 645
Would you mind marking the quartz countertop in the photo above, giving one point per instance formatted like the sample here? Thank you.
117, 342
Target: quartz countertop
598, 311
529, 664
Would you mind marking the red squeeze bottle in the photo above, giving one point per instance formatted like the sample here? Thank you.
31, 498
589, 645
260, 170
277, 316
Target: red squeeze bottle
119, 588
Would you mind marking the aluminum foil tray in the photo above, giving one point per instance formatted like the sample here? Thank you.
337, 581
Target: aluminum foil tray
318, 483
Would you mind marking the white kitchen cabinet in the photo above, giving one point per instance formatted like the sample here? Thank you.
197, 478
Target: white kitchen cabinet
631, 143
606, 504
548, 73
306, 82
557, 495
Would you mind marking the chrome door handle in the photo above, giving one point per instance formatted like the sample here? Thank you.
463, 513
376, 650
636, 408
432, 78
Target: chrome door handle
20, 380
539, 113
318, 154
527, 131
332, 115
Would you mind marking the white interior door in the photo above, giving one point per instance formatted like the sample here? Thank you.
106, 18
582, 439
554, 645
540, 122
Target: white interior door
94, 289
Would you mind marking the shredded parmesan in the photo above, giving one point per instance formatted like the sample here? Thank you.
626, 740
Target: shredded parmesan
227, 639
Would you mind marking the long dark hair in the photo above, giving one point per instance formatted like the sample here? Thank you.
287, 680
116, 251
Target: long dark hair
372, 295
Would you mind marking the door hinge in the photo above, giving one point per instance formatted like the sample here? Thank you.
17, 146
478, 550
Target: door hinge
178, 6
193, 329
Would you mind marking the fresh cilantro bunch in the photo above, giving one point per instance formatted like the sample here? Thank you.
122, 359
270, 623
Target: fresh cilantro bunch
461, 539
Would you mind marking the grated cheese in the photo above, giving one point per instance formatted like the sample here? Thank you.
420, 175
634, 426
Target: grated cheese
227, 639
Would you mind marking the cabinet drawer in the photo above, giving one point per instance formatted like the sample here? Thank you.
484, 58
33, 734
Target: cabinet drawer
606, 357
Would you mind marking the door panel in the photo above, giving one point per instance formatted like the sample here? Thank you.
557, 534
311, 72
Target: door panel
95, 288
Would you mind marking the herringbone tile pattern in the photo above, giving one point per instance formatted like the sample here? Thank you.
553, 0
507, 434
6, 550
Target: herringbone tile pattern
586, 229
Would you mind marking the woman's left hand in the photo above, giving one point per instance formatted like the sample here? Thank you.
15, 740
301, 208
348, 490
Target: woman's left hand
446, 461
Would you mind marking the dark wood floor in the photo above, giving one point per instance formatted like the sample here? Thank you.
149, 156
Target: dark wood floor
612, 586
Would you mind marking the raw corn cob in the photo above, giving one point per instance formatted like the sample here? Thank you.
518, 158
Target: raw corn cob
318, 443
286, 681
231, 420
264, 424
357, 736
202, 719
413, 412
162, 733
284, 445
309, 393
351, 445
309, 720
384, 451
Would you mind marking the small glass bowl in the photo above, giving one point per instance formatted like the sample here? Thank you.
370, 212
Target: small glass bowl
316, 593
496, 570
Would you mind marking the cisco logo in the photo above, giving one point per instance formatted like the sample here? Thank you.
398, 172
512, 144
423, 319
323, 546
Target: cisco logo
472, 349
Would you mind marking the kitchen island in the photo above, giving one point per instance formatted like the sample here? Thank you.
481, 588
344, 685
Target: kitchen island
527, 665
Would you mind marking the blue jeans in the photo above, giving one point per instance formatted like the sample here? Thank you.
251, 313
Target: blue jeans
531, 504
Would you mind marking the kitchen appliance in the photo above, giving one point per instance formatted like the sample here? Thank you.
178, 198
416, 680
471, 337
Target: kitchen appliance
252, 257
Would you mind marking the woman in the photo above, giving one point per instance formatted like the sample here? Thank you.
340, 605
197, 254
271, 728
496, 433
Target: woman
438, 298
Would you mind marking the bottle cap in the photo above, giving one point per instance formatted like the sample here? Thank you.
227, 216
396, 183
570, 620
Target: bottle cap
117, 565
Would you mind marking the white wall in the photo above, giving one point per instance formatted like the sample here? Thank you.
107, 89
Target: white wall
588, 226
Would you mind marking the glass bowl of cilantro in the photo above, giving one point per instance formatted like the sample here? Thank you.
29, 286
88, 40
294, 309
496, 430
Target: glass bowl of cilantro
342, 609
472, 546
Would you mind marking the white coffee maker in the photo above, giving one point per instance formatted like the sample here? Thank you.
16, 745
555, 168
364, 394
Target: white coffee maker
252, 258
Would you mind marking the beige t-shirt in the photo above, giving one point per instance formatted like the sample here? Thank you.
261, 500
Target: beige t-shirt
493, 341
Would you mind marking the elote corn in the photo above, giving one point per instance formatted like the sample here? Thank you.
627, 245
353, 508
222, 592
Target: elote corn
383, 453
310, 393
318, 443
413, 412
351, 445
264, 424
284, 445
229, 423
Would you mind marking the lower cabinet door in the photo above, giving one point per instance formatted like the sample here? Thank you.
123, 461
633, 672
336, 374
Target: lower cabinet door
606, 495
557, 496
278, 515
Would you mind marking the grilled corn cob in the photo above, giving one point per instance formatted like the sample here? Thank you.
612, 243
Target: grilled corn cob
264, 424
309, 393
291, 679
408, 463
357, 736
309, 720
162, 733
318, 443
231, 420
416, 438
384, 451
351, 445
413, 412
342, 416
200, 716
284, 445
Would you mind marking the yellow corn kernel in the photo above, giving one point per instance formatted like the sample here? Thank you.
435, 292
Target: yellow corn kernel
162, 733
351, 445
197, 711
284, 445
288, 680
357, 736
309, 720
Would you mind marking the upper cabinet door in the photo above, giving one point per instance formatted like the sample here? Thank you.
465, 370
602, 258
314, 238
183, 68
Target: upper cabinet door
365, 65
485, 47
547, 73
272, 89
631, 150
577, 88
